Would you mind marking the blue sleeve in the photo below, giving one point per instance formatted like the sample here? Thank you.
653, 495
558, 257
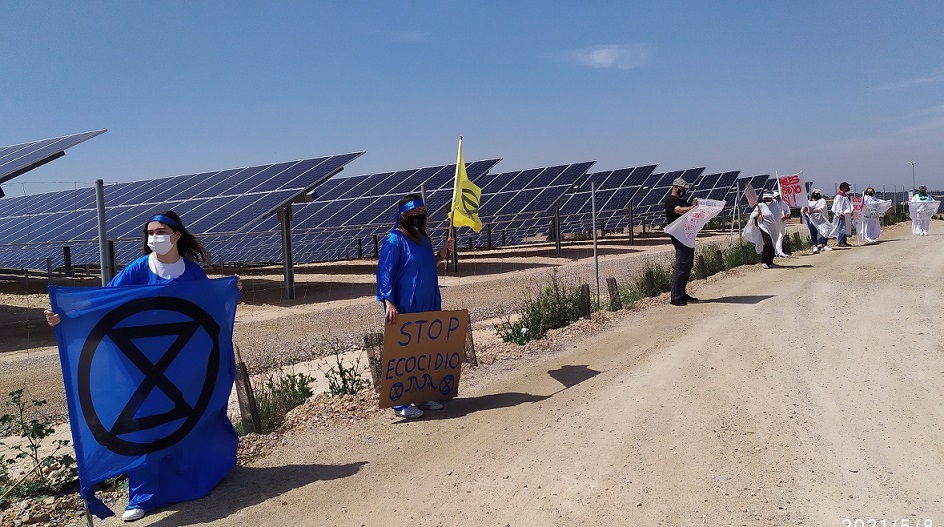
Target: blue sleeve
135, 273
386, 267
194, 271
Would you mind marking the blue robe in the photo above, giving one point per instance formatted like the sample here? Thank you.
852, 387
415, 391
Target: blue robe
407, 275
181, 475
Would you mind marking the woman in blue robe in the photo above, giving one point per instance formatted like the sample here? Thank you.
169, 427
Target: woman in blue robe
407, 277
171, 254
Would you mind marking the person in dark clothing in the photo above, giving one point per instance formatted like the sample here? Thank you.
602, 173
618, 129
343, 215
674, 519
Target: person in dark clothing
675, 206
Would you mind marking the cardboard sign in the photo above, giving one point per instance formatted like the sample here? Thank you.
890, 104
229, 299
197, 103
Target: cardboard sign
422, 357
791, 189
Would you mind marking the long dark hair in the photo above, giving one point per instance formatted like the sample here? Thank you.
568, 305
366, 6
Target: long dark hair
406, 227
188, 246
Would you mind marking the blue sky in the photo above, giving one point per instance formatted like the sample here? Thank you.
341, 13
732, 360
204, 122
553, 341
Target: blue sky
838, 92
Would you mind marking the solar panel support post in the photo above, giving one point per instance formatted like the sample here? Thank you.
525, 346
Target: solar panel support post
111, 259
596, 261
285, 222
108, 270
67, 261
376, 249
632, 230
488, 231
49, 269
455, 247
556, 227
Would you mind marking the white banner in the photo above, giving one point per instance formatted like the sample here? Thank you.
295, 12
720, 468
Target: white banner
875, 208
792, 190
686, 228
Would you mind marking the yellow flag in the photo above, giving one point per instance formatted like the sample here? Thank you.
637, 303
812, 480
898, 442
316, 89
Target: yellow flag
466, 197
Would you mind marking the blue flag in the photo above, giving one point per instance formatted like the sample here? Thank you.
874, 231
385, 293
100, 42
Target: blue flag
148, 371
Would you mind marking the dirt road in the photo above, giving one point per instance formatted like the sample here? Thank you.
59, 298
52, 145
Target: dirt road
810, 394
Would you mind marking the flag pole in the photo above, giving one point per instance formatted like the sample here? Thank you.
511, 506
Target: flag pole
452, 214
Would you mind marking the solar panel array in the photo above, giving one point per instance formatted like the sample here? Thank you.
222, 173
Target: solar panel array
346, 214
517, 205
18, 159
232, 211
219, 202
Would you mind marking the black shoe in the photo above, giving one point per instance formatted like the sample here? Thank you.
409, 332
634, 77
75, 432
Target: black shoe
843, 245
679, 303
690, 298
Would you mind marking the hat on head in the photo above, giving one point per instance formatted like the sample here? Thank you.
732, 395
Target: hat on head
767, 195
844, 184
776, 194
679, 182
817, 191
924, 188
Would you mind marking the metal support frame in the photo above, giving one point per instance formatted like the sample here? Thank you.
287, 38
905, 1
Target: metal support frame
285, 223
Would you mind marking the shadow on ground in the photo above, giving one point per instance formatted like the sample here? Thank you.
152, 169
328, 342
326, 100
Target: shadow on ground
248, 486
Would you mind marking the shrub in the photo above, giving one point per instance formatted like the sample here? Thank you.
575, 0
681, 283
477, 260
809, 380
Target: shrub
46, 473
556, 306
345, 380
280, 394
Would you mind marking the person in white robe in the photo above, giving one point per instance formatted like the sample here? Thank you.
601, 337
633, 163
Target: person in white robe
760, 227
816, 214
781, 212
842, 215
872, 210
921, 215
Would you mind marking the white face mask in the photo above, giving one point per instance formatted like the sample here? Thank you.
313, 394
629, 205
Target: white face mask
160, 243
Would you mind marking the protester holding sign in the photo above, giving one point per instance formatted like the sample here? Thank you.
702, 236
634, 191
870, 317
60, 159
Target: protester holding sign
171, 253
817, 220
407, 278
675, 206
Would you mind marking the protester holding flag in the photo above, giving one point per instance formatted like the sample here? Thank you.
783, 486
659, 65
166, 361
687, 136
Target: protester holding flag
842, 211
407, 278
817, 220
675, 206
760, 227
921, 214
171, 255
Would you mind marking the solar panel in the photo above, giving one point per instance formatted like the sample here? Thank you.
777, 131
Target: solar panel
225, 201
21, 158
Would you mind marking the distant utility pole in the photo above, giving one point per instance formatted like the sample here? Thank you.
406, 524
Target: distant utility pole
913, 185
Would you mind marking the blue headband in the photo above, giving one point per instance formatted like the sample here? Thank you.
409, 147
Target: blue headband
407, 207
166, 220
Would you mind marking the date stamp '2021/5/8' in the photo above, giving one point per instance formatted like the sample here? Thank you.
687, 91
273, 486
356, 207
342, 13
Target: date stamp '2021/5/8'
887, 522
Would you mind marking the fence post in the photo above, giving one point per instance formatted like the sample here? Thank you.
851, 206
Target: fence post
719, 258
469, 347
700, 270
584, 301
650, 283
373, 343
787, 246
616, 302
797, 240
248, 409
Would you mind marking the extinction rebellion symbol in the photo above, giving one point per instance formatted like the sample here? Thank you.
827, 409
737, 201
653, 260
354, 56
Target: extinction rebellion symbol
155, 373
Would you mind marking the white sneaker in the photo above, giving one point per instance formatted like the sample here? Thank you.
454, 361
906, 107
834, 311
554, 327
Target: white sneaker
826, 249
431, 405
815, 249
131, 515
410, 412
